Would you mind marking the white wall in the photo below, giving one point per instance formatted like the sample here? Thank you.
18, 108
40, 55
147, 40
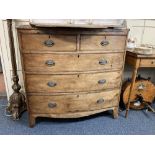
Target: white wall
143, 30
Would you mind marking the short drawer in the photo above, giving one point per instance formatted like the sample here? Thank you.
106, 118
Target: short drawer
73, 103
48, 42
102, 42
72, 62
147, 63
72, 82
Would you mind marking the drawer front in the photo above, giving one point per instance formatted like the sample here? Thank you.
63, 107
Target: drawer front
101, 42
72, 62
72, 83
147, 63
73, 103
48, 42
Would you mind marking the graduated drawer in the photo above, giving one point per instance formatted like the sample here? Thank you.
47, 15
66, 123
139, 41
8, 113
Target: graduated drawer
48, 42
72, 82
72, 62
102, 42
73, 103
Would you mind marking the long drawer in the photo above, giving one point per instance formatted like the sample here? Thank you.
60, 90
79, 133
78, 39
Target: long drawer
73, 103
72, 82
72, 62
48, 42
101, 42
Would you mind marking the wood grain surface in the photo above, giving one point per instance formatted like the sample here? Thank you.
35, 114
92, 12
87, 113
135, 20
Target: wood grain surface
92, 42
36, 42
73, 103
72, 62
73, 82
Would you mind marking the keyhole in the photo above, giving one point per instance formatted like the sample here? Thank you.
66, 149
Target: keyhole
78, 75
78, 55
77, 96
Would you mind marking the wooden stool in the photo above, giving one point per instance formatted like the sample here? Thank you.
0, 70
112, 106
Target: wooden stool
136, 61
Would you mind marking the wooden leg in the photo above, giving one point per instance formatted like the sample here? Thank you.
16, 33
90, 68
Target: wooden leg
134, 74
32, 121
115, 112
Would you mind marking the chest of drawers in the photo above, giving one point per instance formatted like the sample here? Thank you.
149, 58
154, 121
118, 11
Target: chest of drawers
70, 72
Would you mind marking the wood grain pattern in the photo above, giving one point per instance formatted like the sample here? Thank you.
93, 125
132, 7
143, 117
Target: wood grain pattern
75, 77
61, 42
137, 61
148, 92
147, 62
34, 30
73, 103
131, 60
92, 42
72, 83
72, 62
32, 117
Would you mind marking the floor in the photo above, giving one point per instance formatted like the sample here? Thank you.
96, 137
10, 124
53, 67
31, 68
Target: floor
138, 123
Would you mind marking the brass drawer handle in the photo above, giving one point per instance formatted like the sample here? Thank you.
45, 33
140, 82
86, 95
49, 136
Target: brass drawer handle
103, 81
51, 84
104, 43
50, 63
100, 101
103, 62
49, 43
52, 105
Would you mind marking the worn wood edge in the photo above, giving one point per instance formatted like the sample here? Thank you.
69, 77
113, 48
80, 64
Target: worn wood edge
73, 114
72, 93
115, 112
72, 52
136, 55
72, 72
103, 31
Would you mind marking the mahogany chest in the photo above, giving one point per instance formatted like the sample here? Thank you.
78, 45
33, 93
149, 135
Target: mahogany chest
72, 72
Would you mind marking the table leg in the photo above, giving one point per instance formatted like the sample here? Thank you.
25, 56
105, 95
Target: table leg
134, 74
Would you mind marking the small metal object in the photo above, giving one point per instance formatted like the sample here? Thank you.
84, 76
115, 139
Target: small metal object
52, 105
51, 84
50, 63
103, 62
49, 43
141, 86
100, 101
17, 101
103, 81
104, 43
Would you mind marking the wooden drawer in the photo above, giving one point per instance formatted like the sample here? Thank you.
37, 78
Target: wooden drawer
147, 63
47, 42
72, 82
72, 62
101, 42
73, 103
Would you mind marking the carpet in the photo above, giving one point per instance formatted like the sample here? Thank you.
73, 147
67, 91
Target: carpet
137, 123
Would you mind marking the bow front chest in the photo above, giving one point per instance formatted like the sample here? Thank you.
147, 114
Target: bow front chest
72, 72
